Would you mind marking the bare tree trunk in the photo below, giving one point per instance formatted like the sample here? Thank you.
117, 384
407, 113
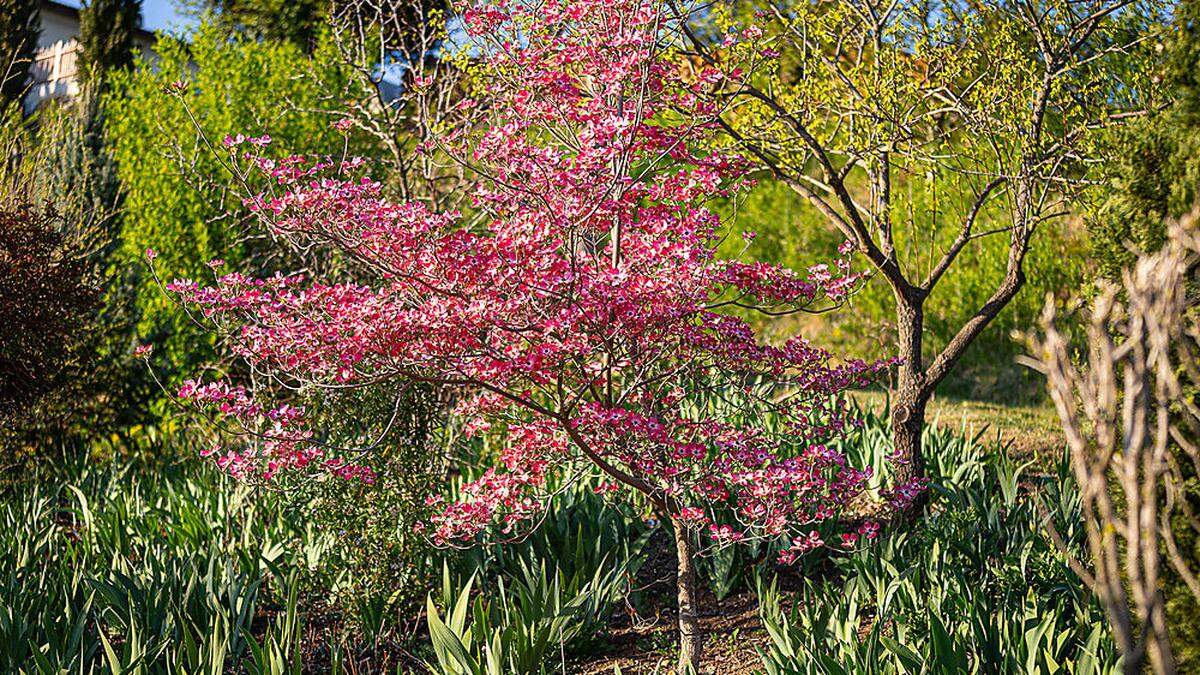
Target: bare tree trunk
691, 638
1158, 642
912, 393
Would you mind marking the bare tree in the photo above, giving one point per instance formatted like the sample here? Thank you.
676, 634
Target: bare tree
404, 88
990, 106
1131, 431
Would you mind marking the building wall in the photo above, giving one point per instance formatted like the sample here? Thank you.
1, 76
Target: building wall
57, 27
54, 73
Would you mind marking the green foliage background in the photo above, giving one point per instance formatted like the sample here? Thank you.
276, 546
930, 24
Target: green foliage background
1155, 172
791, 232
178, 196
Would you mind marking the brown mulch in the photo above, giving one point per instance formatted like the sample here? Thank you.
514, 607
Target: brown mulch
733, 632
642, 640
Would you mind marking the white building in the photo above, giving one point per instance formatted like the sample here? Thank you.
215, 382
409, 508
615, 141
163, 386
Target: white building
54, 70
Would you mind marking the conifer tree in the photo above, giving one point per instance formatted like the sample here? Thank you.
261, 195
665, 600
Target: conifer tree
1157, 173
295, 21
106, 30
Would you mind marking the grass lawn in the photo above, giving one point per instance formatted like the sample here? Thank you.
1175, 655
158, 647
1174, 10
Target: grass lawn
1029, 431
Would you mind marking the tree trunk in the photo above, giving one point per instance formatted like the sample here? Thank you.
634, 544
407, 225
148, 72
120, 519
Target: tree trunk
691, 638
1158, 639
912, 393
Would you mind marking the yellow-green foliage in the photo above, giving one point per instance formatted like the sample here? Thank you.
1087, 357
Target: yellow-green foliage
916, 112
791, 232
177, 199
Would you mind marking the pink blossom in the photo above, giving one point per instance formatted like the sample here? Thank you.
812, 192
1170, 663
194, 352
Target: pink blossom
869, 529
606, 488
801, 545
901, 496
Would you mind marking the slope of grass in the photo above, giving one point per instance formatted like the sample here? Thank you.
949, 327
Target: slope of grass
1027, 431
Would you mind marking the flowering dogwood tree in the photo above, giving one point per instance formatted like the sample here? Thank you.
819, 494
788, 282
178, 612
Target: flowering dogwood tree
580, 309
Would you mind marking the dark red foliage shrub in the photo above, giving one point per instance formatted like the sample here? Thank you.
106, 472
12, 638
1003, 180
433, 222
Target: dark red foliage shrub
48, 296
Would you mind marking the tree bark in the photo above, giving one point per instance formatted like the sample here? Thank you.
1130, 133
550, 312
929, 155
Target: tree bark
912, 394
1162, 657
691, 638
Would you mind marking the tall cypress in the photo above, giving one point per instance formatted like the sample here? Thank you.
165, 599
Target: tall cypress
106, 31
78, 176
20, 24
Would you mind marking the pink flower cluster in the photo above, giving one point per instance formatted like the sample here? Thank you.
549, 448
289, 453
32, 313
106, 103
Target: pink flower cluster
509, 497
274, 439
581, 308
812, 540
901, 496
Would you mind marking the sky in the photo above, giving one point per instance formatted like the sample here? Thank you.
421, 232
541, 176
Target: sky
156, 14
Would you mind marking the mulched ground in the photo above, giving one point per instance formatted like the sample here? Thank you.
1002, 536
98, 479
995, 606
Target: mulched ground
644, 641
733, 631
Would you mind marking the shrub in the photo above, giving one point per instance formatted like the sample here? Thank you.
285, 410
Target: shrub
1127, 408
176, 198
386, 563
48, 298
